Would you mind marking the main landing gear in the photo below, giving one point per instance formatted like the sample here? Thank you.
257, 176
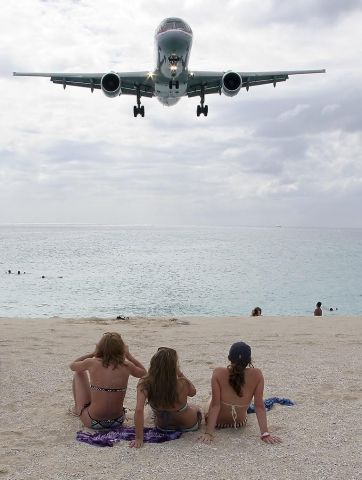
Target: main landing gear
202, 108
138, 109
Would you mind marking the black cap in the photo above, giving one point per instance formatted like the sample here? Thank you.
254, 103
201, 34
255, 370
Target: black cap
240, 352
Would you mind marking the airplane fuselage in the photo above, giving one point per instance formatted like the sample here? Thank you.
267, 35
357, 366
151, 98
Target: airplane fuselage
173, 41
171, 78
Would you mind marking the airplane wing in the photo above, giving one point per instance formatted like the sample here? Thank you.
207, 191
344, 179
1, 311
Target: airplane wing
211, 82
131, 82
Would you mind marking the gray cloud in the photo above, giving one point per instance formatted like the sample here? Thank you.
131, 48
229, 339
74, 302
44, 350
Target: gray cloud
290, 155
323, 11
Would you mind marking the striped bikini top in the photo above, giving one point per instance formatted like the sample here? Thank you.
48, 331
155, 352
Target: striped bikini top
113, 390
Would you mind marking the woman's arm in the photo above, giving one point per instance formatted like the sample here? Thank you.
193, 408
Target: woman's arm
139, 419
261, 413
136, 368
191, 390
213, 412
80, 364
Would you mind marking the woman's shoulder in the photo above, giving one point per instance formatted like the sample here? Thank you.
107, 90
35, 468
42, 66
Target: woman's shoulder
219, 372
253, 372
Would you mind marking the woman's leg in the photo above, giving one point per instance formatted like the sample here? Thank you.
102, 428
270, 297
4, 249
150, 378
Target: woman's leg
81, 391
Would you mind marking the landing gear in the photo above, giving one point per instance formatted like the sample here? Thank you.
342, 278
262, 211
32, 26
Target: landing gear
172, 83
202, 108
138, 109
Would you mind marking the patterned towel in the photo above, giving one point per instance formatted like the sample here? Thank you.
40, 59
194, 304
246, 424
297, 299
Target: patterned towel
269, 402
110, 437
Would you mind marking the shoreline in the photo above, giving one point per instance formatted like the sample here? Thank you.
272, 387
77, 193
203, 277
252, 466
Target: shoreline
314, 361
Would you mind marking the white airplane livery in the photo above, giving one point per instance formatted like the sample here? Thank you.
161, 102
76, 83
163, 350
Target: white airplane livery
171, 78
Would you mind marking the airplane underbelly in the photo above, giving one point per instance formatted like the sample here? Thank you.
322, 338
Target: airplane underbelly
169, 96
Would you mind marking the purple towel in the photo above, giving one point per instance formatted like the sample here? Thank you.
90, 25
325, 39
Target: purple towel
108, 438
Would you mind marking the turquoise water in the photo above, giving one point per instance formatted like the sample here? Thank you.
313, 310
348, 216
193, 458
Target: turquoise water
113, 270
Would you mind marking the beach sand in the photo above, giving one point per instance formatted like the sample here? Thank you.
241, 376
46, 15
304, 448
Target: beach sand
316, 362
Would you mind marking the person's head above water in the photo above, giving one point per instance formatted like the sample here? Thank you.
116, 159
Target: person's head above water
319, 304
240, 353
256, 312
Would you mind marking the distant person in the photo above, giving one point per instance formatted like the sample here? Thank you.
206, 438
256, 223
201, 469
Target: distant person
19, 272
233, 388
166, 389
100, 382
318, 310
331, 309
9, 272
256, 312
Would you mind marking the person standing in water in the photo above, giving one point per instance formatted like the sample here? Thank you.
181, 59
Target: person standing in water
318, 310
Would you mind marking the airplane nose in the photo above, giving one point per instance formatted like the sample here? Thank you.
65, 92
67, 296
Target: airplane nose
174, 41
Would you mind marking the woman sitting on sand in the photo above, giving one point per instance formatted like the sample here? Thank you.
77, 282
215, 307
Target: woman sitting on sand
99, 397
166, 389
233, 388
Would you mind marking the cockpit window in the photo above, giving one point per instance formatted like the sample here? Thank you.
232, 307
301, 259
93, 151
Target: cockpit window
173, 24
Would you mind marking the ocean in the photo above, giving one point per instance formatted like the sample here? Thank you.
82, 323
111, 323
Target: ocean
106, 271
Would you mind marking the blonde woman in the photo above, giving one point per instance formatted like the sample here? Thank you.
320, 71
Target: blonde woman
100, 382
166, 390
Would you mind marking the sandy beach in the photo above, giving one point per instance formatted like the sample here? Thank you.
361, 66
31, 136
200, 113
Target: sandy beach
316, 362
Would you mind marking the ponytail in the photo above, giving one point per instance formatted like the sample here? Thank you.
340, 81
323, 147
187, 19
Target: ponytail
237, 376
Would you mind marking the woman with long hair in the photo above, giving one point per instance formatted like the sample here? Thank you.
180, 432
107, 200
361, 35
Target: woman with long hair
233, 388
100, 382
166, 390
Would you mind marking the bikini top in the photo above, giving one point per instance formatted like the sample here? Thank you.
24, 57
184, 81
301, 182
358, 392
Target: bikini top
104, 389
167, 413
234, 413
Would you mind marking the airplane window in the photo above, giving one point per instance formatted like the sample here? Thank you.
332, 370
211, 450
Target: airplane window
174, 25
165, 26
183, 26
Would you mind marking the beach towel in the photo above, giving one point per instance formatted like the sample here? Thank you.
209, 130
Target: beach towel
269, 402
110, 437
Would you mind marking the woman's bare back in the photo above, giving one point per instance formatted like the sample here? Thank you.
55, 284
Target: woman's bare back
230, 401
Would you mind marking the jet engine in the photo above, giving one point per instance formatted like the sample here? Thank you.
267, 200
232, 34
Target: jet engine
231, 83
111, 85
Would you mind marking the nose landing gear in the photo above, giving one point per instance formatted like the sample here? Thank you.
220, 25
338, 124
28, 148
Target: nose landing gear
202, 108
176, 84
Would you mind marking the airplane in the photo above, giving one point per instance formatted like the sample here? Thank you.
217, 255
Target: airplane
171, 78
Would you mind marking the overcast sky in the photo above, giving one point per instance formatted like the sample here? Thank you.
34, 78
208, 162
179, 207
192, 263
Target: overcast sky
288, 156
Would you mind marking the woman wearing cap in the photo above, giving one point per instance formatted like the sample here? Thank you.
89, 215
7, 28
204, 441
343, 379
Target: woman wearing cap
166, 390
233, 389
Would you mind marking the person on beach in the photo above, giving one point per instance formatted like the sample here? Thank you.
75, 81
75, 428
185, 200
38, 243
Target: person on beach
233, 388
256, 312
100, 382
318, 310
166, 389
